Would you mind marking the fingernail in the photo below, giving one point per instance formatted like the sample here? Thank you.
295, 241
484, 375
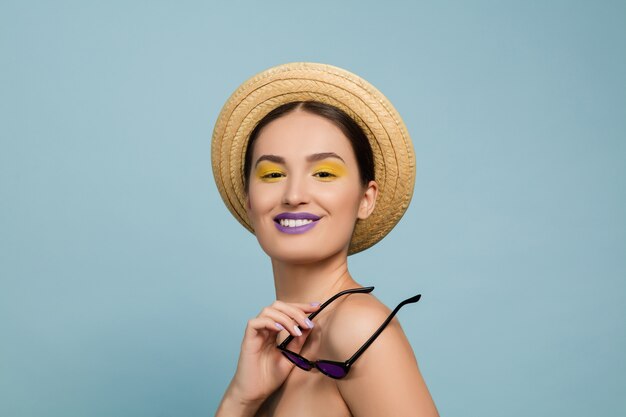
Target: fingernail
316, 304
309, 323
297, 330
280, 326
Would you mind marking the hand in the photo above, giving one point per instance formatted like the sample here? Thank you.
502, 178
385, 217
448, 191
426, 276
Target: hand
262, 368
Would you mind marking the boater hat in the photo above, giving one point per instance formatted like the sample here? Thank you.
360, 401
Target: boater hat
394, 160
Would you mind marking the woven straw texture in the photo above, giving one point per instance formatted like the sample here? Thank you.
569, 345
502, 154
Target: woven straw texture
394, 159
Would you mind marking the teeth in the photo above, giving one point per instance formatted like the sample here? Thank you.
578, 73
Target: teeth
294, 223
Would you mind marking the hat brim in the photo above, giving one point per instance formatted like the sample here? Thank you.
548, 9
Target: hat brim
394, 159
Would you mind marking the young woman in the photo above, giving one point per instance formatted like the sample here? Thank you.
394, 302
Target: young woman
317, 163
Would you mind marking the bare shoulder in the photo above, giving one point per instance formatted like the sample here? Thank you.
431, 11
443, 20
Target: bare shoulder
385, 379
355, 320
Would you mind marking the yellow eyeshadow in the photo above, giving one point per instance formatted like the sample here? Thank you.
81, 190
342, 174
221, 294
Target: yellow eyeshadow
334, 169
265, 169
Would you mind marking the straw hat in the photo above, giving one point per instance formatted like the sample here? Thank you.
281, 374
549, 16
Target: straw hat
394, 160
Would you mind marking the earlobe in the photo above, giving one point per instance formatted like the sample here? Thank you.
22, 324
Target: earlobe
248, 207
368, 200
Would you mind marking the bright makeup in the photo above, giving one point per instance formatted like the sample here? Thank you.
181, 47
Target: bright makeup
295, 223
329, 170
269, 171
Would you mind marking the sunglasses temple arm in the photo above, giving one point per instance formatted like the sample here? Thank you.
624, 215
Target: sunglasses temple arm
377, 333
330, 300
334, 297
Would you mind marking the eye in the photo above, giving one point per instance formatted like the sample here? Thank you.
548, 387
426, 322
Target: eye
268, 172
324, 174
273, 175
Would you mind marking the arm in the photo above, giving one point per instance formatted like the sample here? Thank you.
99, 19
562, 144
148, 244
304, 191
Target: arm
385, 380
262, 368
233, 404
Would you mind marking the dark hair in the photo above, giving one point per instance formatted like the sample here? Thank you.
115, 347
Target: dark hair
360, 145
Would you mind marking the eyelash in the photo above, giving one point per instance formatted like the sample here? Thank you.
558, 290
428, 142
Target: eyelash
322, 174
273, 175
328, 174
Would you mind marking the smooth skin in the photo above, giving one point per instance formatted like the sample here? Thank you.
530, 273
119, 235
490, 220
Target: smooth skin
304, 163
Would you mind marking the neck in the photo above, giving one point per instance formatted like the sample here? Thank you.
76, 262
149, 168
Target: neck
312, 282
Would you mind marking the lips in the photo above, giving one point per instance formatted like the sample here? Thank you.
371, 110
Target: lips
297, 216
295, 223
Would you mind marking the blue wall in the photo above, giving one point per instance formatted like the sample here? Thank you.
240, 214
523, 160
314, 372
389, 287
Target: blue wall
125, 284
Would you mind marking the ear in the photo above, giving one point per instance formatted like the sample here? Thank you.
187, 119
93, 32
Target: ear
368, 200
248, 207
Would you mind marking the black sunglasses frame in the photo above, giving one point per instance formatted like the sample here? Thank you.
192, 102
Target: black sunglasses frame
345, 366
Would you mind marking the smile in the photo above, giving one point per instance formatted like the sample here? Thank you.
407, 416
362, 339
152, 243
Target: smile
295, 223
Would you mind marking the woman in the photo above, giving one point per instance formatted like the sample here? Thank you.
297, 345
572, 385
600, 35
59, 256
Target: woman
318, 164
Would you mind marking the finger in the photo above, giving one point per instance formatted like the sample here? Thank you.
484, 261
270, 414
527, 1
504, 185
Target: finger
308, 307
297, 342
296, 313
259, 324
264, 323
284, 321
259, 332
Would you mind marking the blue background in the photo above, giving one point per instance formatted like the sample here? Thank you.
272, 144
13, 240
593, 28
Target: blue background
125, 285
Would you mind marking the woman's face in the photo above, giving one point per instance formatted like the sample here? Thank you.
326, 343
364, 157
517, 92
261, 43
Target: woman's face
304, 192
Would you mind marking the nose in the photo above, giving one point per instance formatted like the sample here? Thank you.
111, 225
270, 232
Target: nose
296, 191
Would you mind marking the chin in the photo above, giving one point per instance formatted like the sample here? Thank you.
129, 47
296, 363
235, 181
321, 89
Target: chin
302, 254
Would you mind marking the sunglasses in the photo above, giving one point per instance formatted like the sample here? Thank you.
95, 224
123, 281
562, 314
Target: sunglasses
334, 369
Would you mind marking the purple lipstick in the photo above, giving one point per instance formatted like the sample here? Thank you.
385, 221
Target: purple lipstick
295, 223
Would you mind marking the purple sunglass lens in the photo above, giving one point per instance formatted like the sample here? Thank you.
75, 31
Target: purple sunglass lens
297, 360
332, 369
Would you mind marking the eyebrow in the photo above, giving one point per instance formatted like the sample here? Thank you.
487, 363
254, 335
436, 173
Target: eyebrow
323, 155
311, 158
271, 158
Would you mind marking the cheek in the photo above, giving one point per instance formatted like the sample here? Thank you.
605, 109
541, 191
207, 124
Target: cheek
344, 202
259, 201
